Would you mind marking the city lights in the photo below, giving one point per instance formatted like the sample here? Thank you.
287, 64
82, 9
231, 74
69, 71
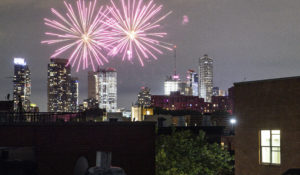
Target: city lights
20, 61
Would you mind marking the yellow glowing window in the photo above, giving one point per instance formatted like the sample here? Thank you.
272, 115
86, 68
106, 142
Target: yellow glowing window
270, 147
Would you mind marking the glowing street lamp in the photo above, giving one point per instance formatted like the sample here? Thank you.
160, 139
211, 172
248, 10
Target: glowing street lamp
233, 122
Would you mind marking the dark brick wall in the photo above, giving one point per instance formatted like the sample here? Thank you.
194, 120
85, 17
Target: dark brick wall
58, 146
268, 104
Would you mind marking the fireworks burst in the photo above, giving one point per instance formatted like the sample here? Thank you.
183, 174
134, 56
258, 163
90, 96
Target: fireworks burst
82, 32
133, 32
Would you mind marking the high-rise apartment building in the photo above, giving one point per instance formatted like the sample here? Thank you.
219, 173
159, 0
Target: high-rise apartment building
192, 82
205, 78
107, 88
74, 85
215, 91
61, 88
93, 85
22, 85
144, 97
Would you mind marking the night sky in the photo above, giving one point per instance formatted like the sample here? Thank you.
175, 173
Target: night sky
248, 40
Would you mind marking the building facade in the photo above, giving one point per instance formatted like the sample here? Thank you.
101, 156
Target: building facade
267, 128
22, 85
192, 82
107, 84
144, 97
74, 92
205, 78
93, 85
174, 84
176, 101
61, 88
221, 103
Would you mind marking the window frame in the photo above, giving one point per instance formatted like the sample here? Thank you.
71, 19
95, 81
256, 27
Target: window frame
270, 147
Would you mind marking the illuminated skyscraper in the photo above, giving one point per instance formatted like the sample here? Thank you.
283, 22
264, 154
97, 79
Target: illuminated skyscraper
215, 91
144, 97
192, 82
205, 78
107, 86
61, 88
74, 85
93, 85
173, 84
22, 85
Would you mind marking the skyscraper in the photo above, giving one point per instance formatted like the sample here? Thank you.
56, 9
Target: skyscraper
59, 86
144, 97
205, 78
192, 82
74, 85
174, 84
93, 85
107, 87
215, 91
22, 85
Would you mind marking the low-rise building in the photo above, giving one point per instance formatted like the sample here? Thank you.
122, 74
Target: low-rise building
267, 140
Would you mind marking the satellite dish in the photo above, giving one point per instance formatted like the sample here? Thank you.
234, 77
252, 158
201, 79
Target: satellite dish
81, 166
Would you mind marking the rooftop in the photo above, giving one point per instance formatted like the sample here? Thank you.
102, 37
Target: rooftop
267, 80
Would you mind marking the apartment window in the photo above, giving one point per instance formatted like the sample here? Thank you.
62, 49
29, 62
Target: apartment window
270, 147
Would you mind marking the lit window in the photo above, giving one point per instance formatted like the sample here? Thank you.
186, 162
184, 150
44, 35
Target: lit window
270, 147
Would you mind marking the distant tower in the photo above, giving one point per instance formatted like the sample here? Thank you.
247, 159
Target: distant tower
205, 78
144, 97
192, 82
74, 85
60, 86
215, 91
107, 87
93, 89
22, 84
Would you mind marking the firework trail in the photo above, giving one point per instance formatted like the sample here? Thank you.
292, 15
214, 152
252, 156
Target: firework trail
135, 30
81, 32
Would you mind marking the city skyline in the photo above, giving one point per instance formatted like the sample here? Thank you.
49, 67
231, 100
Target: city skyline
239, 40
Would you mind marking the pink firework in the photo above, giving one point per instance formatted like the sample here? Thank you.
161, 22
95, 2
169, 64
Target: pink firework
135, 30
81, 32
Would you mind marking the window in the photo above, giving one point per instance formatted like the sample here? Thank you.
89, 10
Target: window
270, 147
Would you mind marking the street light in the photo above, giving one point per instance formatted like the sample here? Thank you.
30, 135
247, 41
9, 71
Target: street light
233, 122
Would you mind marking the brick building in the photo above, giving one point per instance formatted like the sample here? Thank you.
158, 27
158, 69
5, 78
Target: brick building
176, 101
221, 103
267, 140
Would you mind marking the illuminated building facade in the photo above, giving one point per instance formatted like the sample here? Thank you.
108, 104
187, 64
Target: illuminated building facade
107, 86
144, 97
215, 91
138, 113
192, 82
93, 85
74, 85
174, 84
22, 85
176, 101
205, 78
221, 103
62, 89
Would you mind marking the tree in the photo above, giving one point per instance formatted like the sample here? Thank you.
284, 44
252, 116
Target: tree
183, 153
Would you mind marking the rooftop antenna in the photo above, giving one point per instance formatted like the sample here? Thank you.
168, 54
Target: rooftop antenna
175, 59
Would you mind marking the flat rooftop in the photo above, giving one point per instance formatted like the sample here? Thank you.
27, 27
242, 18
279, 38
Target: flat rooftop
267, 80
